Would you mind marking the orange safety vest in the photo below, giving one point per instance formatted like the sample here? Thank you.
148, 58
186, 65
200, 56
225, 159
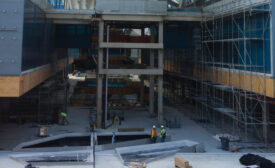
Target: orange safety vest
153, 133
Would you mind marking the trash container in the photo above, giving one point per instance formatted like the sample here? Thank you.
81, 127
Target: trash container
225, 143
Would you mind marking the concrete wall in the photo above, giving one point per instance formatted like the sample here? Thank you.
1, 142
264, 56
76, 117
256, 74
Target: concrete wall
156, 7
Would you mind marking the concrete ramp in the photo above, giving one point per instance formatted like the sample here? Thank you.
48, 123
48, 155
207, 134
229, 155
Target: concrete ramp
81, 157
151, 152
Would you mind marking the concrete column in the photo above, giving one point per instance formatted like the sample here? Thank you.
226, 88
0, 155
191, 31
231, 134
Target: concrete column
99, 77
160, 32
160, 89
152, 84
160, 77
141, 91
99, 100
152, 79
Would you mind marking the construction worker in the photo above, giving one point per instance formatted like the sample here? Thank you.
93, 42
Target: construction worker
162, 134
154, 134
64, 118
113, 138
116, 120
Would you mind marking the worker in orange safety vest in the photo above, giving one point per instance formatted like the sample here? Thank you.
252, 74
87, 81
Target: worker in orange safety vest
154, 134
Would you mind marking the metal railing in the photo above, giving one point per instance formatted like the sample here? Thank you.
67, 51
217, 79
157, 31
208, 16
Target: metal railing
73, 4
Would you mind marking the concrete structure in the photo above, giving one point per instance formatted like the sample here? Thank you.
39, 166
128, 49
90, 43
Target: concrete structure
215, 64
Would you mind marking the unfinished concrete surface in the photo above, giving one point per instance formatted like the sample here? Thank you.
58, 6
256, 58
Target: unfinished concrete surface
12, 134
152, 152
107, 159
203, 68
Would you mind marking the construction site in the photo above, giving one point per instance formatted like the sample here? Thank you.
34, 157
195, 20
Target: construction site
137, 83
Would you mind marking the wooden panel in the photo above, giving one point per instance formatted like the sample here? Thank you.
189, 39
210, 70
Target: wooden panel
33, 79
9, 86
18, 85
248, 82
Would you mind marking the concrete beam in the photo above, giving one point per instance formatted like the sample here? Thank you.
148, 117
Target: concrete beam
72, 22
142, 18
132, 45
130, 71
183, 16
70, 14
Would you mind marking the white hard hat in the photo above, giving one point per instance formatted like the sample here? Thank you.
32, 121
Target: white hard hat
162, 126
154, 126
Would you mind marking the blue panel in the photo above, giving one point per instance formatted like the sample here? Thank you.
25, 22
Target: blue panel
273, 39
178, 34
11, 29
256, 55
38, 38
73, 36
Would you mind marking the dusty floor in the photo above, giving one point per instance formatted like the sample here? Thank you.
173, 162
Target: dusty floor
108, 159
12, 134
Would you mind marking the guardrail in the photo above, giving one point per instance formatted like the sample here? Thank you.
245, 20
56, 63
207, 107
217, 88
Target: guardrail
73, 4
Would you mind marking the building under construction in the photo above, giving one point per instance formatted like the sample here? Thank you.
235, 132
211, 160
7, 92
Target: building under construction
203, 69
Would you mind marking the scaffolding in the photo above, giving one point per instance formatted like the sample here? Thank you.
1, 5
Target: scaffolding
230, 71
229, 86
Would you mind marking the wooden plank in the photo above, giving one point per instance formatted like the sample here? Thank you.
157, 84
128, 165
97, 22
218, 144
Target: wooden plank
9, 86
249, 82
181, 163
16, 86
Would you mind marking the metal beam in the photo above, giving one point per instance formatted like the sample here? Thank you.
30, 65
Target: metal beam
132, 45
228, 6
131, 71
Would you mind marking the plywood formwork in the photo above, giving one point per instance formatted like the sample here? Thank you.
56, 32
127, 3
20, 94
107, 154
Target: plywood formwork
240, 80
16, 86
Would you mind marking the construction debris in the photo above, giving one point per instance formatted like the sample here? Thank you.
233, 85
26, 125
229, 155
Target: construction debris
251, 159
43, 132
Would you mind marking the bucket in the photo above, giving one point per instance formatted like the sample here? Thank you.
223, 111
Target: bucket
224, 143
